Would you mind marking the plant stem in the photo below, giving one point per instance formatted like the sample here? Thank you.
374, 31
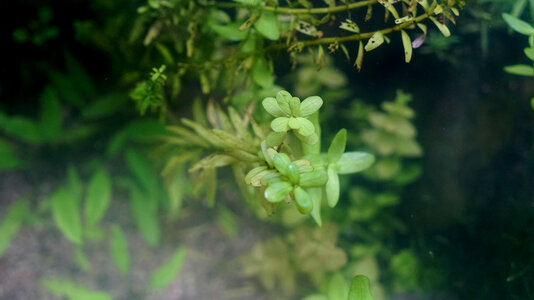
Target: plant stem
295, 11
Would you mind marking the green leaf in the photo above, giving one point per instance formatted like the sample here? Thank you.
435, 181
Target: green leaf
11, 223
316, 195
375, 41
66, 214
407, 43
442, 27
8, 159
261, 74
253, 173
277, 191
283, 98
303, 201
294, 105
532, 103
82, 260
71, 290
281, 162
98, 197
306, 127
230, 31
313, 179
119, 250
352, 162
522, 70
518, 25
22, 128
227, 222
360, 288
337, 147
142, 170
338, 287
267, 25
168, 271
50, 118
280, 124
293, 173
271, 106
310, 105
104, 106
332, 188
144, 212
529, 52
275, 138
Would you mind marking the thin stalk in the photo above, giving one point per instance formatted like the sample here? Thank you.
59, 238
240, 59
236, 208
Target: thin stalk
296, 11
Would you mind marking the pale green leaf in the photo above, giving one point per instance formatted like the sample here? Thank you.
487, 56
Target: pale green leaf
310, 105
518, 25
275, 138
281, 162
71, 290
277, 191
338, 287
82, 260
168, 271
442, 27
11, 223
306, 127
271, 106
375, 41
119, 250
316, 178
65, 210
98, 197
332, 188
359, 58
352, 162
267, 25
360, 288
144, 212
407, 43
522, 70
337, 147
316, 195
280, 124
283, 98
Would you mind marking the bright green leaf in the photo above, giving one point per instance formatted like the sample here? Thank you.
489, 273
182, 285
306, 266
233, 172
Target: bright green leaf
522, 70
66, 214
271, 106
338, 287
360, 288
71, 290
281, 162
352, 162
267, 25
293, 173
337, 147
277, 191
518, 25
119, 250
98, 197
169, 270
332, 188
303, 201
529, 52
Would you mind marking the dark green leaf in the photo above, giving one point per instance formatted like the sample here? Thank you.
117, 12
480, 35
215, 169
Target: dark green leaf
22, 128
168, 271
104, 106
50, 118
8, 159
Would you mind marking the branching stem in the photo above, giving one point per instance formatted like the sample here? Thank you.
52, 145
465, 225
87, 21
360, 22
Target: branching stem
296, 11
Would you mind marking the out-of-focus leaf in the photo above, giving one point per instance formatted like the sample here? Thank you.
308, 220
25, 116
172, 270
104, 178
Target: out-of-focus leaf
360, 289
144, 211
261, 74
143, 172
229, 31
104, 106
119, 250
332, 188
529, 52
352, 162
227, 222
338, 287
518, 25
8, 159
168, 271
22, 128
267, 25
11, 223
82, 260
316, 195
50, 117
98, 197
523, 70
65, 209
71, 290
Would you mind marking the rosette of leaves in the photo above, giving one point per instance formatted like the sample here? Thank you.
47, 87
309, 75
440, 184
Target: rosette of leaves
292, 114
